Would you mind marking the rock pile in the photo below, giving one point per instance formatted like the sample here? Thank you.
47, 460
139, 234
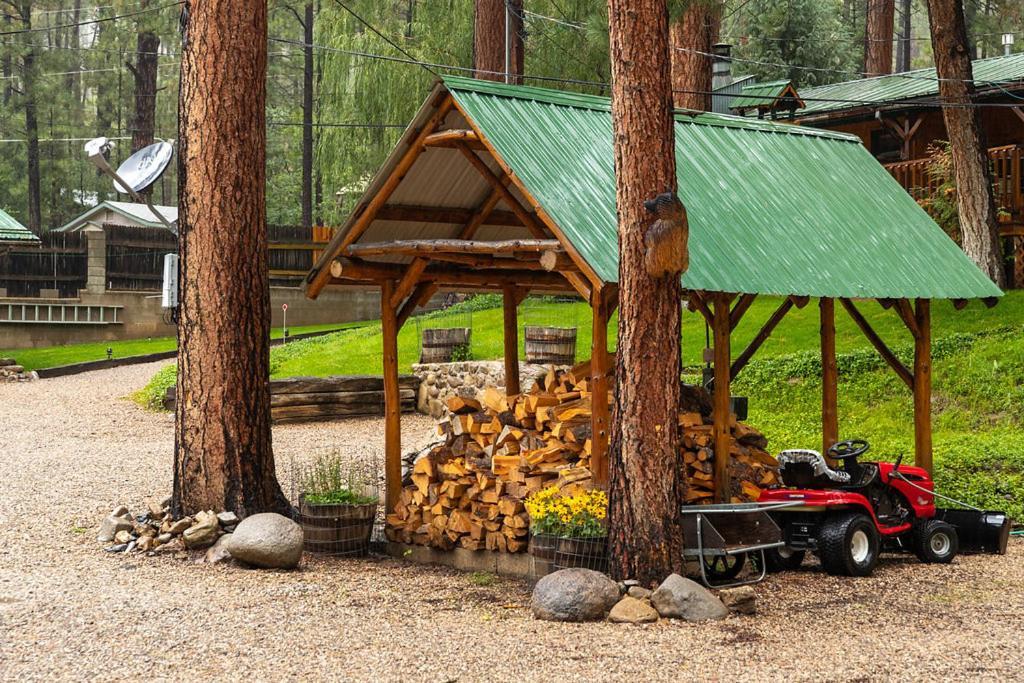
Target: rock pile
10, 371
586, 595
156, 532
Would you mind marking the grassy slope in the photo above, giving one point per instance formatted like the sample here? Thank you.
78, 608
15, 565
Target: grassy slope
34, 359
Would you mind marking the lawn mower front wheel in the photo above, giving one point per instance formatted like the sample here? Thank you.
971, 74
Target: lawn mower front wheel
783, 559
935, 541
848, 545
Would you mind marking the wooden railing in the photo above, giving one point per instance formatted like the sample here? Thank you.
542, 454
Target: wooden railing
1007, 165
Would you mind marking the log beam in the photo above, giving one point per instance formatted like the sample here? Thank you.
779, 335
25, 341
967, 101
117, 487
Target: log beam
511, 297
829, 374
419, 298
392, 399
600, 368
454, 246
761, 336
884, 351
906, 314
450, 138
923, 386
721, 406
739, 309
356, 272
500, 185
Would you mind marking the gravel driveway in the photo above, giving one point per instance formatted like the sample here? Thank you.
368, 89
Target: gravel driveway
72, 448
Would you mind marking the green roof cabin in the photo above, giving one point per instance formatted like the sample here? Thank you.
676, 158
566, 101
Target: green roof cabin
14, 233
767, 100
512, 188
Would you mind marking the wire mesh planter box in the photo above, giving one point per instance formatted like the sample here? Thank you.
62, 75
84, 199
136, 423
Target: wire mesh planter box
588, 553
337, 529
550, 345
442, 345
542, 546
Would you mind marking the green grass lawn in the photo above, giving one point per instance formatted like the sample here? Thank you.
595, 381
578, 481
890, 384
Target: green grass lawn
35, 359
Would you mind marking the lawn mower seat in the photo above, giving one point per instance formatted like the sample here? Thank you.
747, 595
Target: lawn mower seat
807, 469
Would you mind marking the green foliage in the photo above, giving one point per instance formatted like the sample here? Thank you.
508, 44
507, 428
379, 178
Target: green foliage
335, 480
483, 579
152, 395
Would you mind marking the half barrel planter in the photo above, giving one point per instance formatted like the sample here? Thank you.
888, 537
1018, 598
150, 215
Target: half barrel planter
550, 345
439, 345
336, 529
588, 553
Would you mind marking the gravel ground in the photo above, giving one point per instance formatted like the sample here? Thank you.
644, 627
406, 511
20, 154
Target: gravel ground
73, 448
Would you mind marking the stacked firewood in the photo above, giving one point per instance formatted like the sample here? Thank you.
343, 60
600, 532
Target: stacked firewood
468, 490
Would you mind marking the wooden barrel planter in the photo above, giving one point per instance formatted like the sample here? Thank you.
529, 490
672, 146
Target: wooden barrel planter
332, 529
588, 553
542, 546
551, 345
439, 345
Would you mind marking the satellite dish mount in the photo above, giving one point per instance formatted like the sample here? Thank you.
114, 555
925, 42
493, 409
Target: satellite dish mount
137, 173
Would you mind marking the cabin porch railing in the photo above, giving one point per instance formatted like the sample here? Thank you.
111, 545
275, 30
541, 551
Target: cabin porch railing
1007, 165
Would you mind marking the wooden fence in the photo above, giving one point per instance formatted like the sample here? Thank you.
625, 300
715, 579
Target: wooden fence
57, 262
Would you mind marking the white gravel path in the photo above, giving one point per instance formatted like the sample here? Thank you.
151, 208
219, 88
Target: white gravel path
72, 448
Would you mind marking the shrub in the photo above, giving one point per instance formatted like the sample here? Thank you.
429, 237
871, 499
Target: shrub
151, 396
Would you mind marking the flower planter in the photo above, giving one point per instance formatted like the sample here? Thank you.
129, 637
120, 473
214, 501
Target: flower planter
334, 529
589, 553
542, 546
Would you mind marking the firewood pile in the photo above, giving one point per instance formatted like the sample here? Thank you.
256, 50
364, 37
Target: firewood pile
468, 490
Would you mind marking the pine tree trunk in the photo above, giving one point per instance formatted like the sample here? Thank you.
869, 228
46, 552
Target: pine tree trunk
696, 30
645, 484
35, 215
975, 203
878, 37
906, 31
223, 454
145, 71
307, 118
489, 39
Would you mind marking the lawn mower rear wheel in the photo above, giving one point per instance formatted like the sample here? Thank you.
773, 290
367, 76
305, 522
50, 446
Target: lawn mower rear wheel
848, 545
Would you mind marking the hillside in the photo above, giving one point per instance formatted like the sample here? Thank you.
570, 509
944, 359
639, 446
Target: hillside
978, 381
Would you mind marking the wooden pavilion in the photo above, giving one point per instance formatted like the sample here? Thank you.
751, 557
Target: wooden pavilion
512, 188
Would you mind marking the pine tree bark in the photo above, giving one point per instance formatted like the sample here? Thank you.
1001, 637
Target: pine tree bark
906, 31
145, 71
879, 19
223, 454
976, 207
644, 466
695, 31
489, 40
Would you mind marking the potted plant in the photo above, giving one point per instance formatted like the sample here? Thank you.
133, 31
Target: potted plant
584, 538
545, 509
337, 505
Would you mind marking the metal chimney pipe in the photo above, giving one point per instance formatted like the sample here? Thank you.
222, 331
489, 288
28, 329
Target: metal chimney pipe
721, 65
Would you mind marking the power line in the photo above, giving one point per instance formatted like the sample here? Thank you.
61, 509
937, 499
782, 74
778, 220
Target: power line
90, 22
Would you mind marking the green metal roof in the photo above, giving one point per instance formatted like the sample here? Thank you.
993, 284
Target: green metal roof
773, 208
13, 231
759, 95
891, 88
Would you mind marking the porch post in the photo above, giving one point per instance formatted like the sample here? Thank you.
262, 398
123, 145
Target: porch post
511, 338
829, 374
721, 408
392, 405
923, 386
599, 370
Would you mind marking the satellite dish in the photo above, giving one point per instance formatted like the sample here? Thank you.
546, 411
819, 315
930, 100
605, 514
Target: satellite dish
97, 146
145, 167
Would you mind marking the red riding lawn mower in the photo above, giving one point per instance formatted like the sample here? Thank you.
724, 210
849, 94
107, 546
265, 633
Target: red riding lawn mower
847, 516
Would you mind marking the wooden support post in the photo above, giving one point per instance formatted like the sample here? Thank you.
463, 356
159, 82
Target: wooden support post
923, 386
600, 367
511, 335
392, 401
829, 375
721, 407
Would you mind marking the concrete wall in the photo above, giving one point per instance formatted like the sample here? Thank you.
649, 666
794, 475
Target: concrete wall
142, 315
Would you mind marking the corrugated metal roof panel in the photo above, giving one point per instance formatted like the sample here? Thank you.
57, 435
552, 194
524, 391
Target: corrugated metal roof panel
773, 208
759, 94
908, 85
13, 231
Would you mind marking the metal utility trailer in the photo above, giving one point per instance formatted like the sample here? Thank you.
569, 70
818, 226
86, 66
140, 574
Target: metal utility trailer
730, 531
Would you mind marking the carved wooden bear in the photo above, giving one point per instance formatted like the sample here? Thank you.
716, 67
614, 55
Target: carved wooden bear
665, 244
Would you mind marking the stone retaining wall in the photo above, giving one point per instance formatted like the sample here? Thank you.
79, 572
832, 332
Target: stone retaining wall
440, 381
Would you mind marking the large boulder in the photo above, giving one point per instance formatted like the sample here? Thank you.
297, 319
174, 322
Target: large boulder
267, 540
574, 595
632, 611
681, 598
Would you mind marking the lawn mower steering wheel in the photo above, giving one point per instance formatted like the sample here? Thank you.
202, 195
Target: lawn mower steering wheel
845, 450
